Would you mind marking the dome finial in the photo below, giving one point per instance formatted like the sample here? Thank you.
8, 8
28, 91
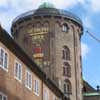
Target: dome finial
46, 4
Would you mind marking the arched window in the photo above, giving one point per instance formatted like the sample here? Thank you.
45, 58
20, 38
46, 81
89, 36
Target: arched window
46, 27
29, 29
37, 27
67, 87
66, 53
65, 28
26, 40
67, 69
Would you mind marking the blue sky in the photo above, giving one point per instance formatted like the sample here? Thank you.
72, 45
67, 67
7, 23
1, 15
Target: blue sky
87, 10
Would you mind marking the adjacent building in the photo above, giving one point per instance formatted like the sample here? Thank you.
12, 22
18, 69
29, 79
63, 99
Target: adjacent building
89, 93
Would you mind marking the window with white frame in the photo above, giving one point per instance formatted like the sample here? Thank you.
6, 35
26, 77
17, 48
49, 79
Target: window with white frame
18, 70
3, 59
28, 79
45, 95
36, 87
2, 96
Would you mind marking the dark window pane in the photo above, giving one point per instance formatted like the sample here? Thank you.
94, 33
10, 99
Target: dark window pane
5, 61
1, 57
4, 98
20, 71
66, 53
16, 70
0, 97
65, 88
67, 69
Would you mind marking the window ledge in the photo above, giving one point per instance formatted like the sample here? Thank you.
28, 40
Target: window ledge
2, 67
37, 94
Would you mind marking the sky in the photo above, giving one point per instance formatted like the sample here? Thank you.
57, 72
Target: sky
87, 10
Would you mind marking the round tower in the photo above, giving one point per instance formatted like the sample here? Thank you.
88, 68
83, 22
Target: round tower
51, 37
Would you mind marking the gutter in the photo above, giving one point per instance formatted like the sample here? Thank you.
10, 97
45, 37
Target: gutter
92, 94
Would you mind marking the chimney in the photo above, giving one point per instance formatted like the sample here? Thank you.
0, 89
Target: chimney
98, 88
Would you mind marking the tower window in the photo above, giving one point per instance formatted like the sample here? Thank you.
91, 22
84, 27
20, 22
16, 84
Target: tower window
67, 87
38, 27
26, 40
46, 27
66, 53
66, 69
65, 28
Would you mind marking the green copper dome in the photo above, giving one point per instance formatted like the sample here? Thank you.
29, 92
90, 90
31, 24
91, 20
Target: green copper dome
46, 5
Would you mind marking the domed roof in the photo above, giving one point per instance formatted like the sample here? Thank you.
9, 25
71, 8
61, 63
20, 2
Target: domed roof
46, 5
48, 9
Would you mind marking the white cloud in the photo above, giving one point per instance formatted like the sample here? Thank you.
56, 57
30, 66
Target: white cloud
87, 22
3, 3
95, 5
63, 3
6, 21
19, 4
81, 1
85, 50
16, 7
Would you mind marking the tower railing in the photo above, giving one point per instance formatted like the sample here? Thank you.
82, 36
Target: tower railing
49, 11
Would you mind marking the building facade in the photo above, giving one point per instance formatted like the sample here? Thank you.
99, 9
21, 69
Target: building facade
89, 93
51, 37
20, 77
